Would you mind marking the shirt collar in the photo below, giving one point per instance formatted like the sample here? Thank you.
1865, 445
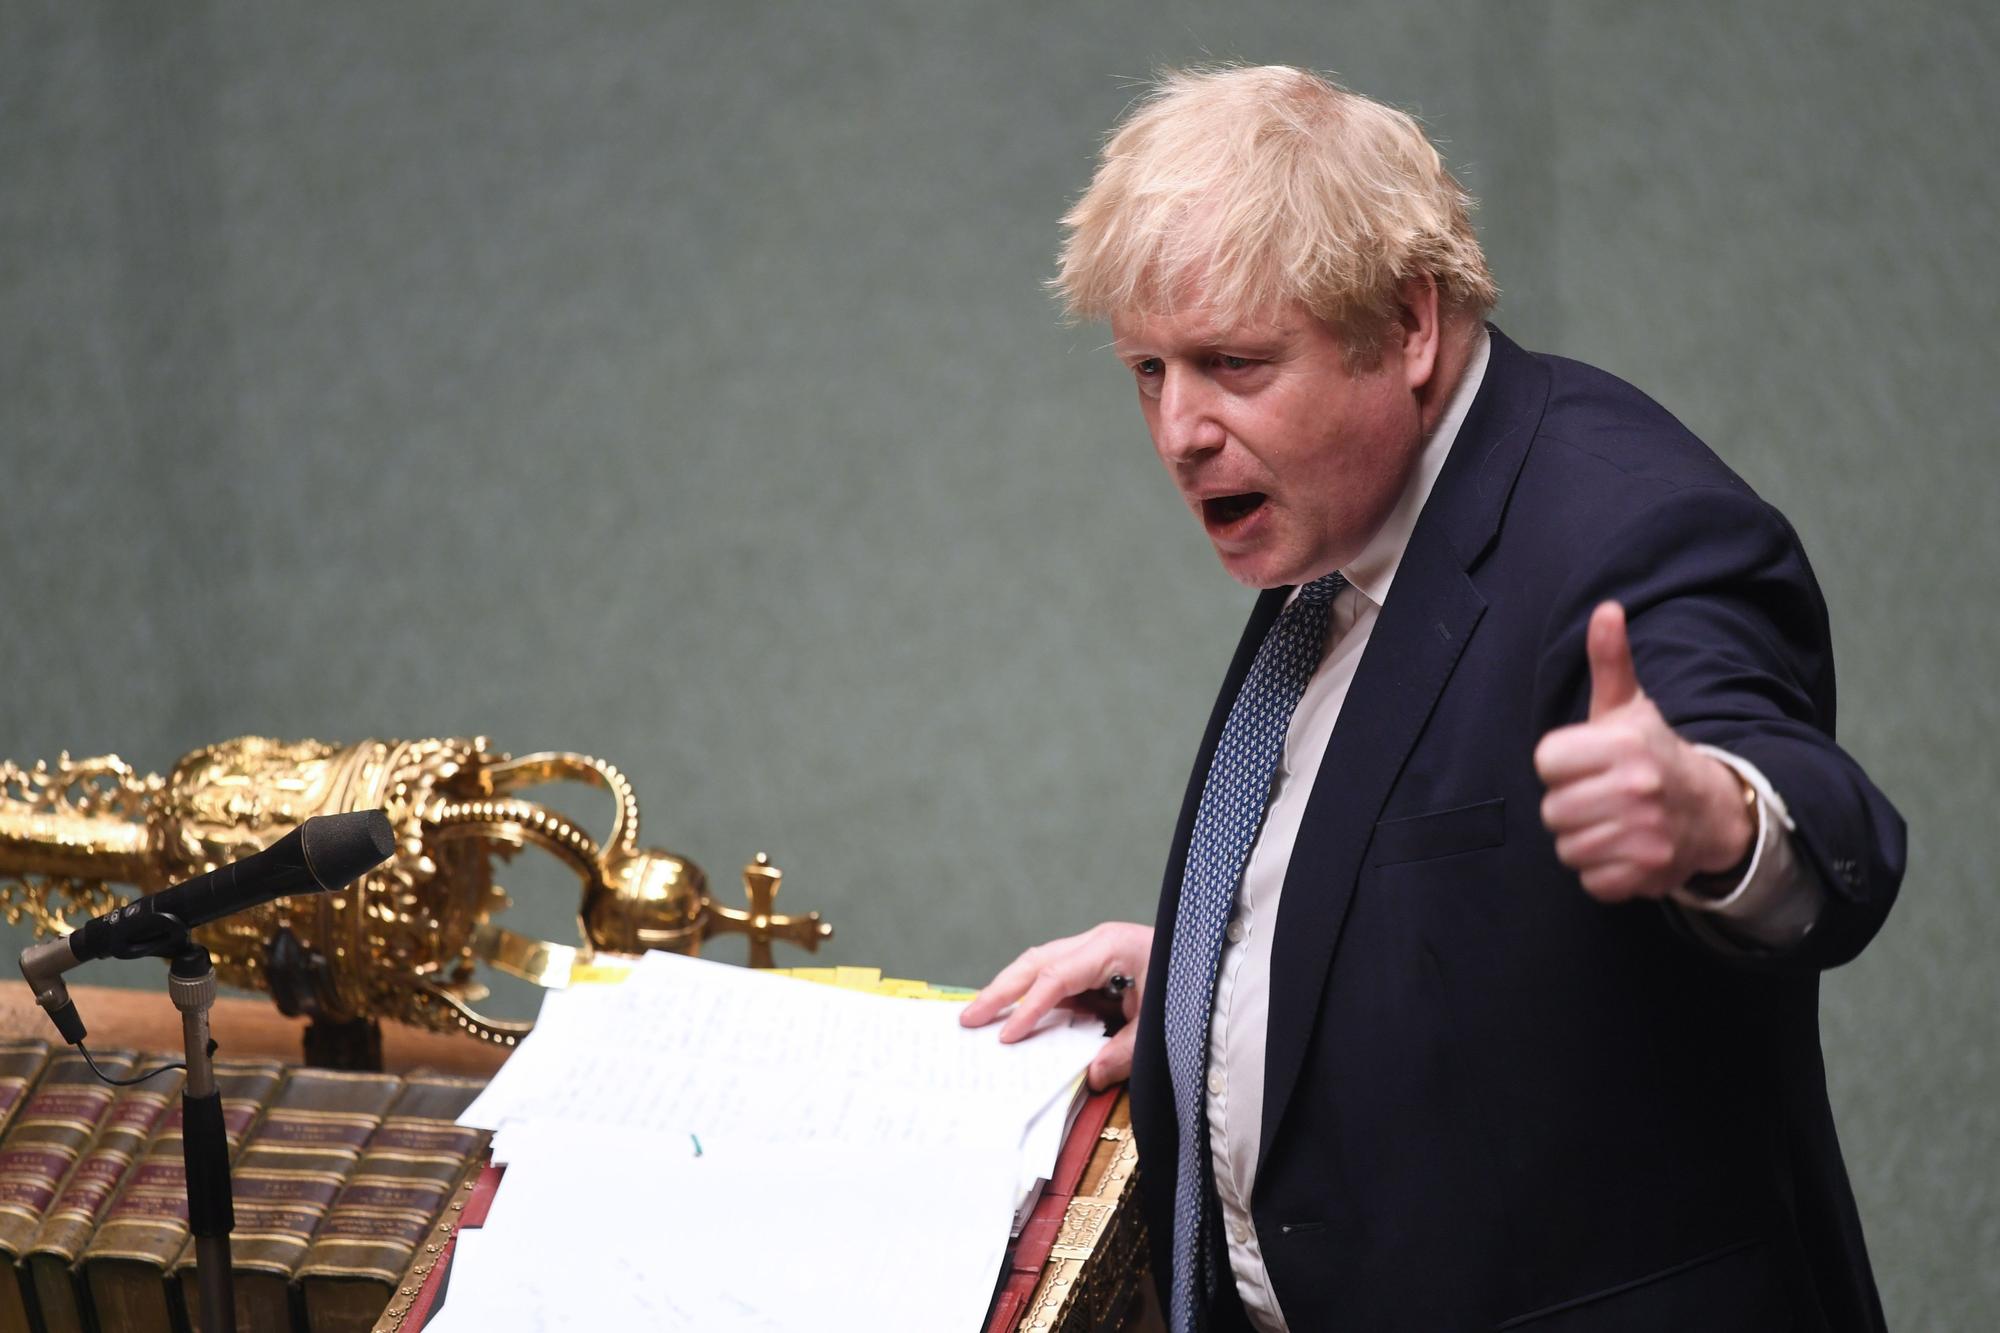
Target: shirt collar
1374, 569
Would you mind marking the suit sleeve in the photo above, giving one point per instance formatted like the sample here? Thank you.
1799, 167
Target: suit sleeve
1730, 639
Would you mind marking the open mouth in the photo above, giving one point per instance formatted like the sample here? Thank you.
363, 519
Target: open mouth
1222, 511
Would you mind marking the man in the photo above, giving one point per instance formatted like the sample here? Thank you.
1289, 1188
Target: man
1483, 991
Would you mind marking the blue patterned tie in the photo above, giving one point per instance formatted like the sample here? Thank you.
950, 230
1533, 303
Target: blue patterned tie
1225, 826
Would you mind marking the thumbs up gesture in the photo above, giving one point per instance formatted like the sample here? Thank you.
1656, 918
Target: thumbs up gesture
1636, 811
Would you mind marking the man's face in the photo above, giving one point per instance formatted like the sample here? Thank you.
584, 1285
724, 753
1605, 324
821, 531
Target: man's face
1290, 459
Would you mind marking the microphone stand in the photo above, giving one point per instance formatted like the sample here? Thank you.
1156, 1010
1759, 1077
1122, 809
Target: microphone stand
204, 1137
204, 1134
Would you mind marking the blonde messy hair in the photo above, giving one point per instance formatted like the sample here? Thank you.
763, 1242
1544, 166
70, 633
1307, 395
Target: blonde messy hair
1257, 186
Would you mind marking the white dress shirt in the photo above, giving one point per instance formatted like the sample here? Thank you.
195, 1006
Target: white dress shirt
1776, 902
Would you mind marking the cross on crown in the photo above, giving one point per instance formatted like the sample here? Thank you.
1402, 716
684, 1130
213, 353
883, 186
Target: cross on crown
761, 880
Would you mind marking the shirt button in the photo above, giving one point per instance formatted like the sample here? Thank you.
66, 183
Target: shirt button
1215, 1081
1241, 1234
1236, 932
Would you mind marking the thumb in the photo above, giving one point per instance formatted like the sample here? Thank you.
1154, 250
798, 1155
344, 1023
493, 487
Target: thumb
1613, 682
1113, 1063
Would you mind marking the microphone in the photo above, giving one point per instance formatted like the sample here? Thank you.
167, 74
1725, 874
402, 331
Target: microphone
325, 852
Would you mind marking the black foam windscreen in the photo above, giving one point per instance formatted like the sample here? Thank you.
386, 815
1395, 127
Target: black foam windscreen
340, 847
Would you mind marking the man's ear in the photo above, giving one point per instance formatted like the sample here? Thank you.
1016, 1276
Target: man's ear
1419, 327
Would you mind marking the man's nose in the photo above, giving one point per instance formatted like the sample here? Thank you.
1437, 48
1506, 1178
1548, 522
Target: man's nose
1187, 424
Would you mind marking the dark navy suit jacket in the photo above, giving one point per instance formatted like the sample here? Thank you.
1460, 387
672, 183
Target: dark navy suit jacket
1491, 1101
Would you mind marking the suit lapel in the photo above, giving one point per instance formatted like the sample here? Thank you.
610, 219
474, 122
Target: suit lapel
1431, 613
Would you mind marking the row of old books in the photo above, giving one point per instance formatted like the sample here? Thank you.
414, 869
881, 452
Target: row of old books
337, 1177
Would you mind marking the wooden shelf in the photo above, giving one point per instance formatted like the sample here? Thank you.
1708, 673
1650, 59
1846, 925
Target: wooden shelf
147, 1020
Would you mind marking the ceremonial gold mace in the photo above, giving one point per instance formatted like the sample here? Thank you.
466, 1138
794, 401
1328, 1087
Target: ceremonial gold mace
403, 941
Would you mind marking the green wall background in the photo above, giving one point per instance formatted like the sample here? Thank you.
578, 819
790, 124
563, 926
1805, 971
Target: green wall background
675, 383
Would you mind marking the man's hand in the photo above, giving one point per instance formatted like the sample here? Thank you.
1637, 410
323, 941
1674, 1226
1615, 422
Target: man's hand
1636, 811
1050, 973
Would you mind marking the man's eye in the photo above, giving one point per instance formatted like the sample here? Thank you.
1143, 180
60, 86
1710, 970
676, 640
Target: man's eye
1234, 362
1148, 368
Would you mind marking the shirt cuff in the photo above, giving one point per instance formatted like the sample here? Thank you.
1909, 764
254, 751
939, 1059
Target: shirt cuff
1778, 900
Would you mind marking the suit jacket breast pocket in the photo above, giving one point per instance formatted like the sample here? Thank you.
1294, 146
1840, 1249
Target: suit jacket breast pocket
1466, 828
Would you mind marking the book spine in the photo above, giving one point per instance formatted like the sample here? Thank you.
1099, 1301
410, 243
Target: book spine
55, 1124
393, 1200
21, 1063
284, 1181
22, 1060
135, 1115
124, 1268
420, 1290
403, 1184
147, 1221
36, 1154
288, 1179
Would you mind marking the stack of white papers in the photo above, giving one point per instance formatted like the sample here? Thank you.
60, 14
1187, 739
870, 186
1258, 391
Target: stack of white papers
705, 1147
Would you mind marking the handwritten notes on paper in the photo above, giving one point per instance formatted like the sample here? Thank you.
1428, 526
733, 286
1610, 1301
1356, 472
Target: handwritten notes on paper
861, 1157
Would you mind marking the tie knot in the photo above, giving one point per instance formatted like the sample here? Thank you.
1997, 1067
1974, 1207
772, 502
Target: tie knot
1322, 590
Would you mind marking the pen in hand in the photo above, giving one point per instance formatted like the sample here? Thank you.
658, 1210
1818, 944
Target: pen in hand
1107, 1002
